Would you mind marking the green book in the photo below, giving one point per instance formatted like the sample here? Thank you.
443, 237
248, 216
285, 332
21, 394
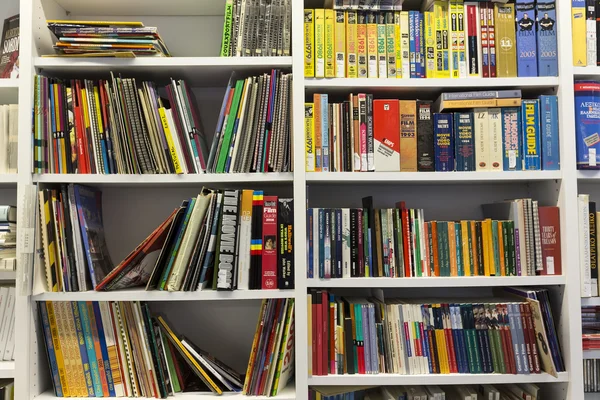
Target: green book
170, 364
167, 271
504, 254
227, 27
492, 338
233, 113
496, 248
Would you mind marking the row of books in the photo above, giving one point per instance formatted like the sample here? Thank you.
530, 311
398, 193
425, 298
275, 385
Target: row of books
591, 375
219, 240
523, 239
116, 126
7, 323
587, 124
106, 38
9, 134
8, 238
489, 131
589, 234
519, 391
253, 131
254, 28
353, 335
371, 5
590, 326
585, 20
450, 39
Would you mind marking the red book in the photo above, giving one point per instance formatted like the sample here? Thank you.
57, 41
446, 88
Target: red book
332, 355
449, 339
550, 235
315, 360
386, 117
318, 300
269, 240
532, 337
485, 50
278, 315
506, 346
405, 236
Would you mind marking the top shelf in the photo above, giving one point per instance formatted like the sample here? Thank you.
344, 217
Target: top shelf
144, 7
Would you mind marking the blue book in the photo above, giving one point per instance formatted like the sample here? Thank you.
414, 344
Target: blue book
89, 209
460, 364
587, 124
412, 44
546, 38
325, 131
549, 134
87, 372
104, 349
321, 244
512, 155
443, 141
526, 38
419, 45
89, 345
426, 348
464, 141
50, 349
309, 242
530, 114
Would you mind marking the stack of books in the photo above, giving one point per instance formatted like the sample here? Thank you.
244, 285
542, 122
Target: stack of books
271, 364
512, 335
467, 131
591, 375
219, 240
590, 326
585, 19
9, 134
106, 39
517, 391
445, 39
120, 349
8, 238
518, 238
254, 28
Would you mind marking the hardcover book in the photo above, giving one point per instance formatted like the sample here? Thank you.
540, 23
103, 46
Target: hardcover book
444, 142
473, 37
329, 44
530, 112
549, 132
309, 43
526, 38
425, 147
578, 24
352, 52
482, 139
546, 38
386, 114
340, 44
464, 141
319, 43
9, 57
361, 43
285, 215
587, 120
228, 236
495, 137
269, 241
408, 136
506, 49
512, 140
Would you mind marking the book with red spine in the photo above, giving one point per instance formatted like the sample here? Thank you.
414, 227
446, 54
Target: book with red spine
485, 49
405, 235
532, 337
491, 38
449, 338
550, 240
527, 337
332, 355
269, 243
318, 312
325, 332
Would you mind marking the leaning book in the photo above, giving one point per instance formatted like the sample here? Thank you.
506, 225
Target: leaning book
9, 58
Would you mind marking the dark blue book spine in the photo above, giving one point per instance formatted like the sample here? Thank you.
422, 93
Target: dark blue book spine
321, 244
50, 349
421, 47
549, 126
530, 113
87, 372
107, 370
309, 242
412, 43
425, 338
338, 242
464, 141
512, 154
443, 141
587, 124
526, 38
546, 38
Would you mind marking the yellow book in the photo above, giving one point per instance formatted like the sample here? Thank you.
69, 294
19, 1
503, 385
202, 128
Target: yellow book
485, 229
381, 46
452, 243
462, 39
408, 136
390, 37
340, 44
309, 43
441, 14
453, 25
441, 345
578, 22
329, 43
429, 44
372, 45
63, 336
170, 142
464, 232
309, 132
492, 252
363, 66
76, 360
58, 350
398, 45
351, 44
405, 44
319, 43
100, 125
506, 49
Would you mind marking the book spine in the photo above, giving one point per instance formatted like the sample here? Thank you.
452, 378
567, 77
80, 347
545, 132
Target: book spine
495, 132
390, 34
526, 38
51, 350
381, 46
506, 51
319, 43
444, 15
412, 49
226, 42
398, 43
269, 240
309, 131
405, 43
550, 240
546, 37
408, 136
462, 39
593, 248
420, 45
443, 142
340, 44
429, 25
454, 38
473, 38
352, 53
587, 107
511, 130
325, 132
85, 362
531, 134
464, 141
386, 135
482, 139
370, 134
549, 132
372, 64
361, 44
285, 215
309, 43
491, 22
103, 348
425, 143
327, 243
329, 43
485, 42
346, 245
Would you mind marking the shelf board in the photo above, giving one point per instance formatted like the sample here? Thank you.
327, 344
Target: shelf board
584, 72
593, 354
162, 180
7, 369
427, 177
434, 379
155, 295
289, 393
426, 85
197, 71
8, 181
590, 301
143, 7
438, 282
8, 275
588, 175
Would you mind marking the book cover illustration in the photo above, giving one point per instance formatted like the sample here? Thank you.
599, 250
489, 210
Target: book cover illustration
9, 58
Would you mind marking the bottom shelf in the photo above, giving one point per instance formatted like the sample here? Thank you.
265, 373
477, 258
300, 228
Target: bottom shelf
289, 393
447, 379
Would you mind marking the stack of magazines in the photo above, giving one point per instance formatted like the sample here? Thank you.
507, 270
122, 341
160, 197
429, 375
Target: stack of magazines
106, 39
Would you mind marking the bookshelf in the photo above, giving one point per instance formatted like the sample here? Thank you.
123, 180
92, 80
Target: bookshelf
135, 204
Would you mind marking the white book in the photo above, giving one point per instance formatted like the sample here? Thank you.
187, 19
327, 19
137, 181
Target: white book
591, 37
206, 365
415, 369
519, 218
80, 259
495, 138
316, 242
405, 44
4, 139
346, 258
13, 136
176, 142
424, 251
7, 314
244, 240
482, 139
396, 344
125, 373
583, 205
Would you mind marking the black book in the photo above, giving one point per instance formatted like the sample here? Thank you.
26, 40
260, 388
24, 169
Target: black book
68, 236
338, 242
226, 261
479, 238
162, 375
367, 203
354, 243
348, 144
285, 215
256, 255
425, 149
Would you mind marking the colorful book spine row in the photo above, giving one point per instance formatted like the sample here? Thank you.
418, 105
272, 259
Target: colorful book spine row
399, 243
585, 19
372, 336
450, 39
366, 134
589, 233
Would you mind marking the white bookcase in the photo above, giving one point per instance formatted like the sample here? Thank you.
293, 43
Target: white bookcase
224, 323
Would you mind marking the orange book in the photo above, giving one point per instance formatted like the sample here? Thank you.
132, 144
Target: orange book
318, 132
452, 246
465, 247
474, 248
408, 136
501, 250
436, 261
